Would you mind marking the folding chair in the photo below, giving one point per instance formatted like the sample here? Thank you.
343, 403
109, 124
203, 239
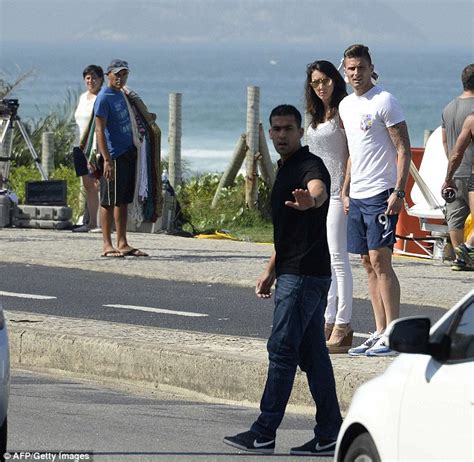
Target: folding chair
426, 193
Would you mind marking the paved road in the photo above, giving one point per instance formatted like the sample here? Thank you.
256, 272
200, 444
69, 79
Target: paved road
423, 283
210, 308
53, 413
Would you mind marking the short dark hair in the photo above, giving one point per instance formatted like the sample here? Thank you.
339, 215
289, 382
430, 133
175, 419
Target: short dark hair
314, 105
93, 68
358, 51
286, 110
467, 78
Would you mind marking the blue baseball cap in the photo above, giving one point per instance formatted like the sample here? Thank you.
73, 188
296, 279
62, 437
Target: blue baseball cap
117, 65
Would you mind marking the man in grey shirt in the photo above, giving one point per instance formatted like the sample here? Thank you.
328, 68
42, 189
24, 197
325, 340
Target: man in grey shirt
454, 115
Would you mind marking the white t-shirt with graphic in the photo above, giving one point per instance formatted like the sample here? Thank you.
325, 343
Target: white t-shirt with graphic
373, 154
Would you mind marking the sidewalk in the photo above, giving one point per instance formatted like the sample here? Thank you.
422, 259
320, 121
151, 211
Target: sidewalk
214, 366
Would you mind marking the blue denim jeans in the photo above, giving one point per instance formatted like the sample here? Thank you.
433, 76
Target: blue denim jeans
297, 339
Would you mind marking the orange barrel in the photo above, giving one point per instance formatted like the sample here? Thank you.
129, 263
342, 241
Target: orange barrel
408, 225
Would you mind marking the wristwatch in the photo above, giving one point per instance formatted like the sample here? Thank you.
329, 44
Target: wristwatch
400, 193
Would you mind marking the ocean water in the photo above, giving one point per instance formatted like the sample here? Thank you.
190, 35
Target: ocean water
213, 81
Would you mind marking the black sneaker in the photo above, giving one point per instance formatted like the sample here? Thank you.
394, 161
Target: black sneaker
252, 442
460, 265
315, 447
466, 255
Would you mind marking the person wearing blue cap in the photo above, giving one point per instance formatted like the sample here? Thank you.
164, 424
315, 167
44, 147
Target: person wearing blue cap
119, 158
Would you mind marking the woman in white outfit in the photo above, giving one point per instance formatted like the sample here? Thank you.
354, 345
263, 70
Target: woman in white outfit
93, 79
324, 90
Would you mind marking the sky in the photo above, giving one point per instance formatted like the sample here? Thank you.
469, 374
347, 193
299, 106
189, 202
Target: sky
400, 25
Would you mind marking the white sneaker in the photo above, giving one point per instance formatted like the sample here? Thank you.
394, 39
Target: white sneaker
369, 343
381, 348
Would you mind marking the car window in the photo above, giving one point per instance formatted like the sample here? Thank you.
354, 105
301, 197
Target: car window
462, 337
444, 328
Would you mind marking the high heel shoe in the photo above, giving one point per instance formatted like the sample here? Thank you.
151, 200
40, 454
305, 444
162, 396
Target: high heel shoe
328, 327
341, 339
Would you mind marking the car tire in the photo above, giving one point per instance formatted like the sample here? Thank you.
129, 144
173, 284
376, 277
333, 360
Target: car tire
3, 438
362, 449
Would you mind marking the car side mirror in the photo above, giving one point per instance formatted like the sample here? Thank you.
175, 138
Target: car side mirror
410, 335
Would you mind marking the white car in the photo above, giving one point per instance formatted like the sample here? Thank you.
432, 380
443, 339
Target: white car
422, 407
4, 382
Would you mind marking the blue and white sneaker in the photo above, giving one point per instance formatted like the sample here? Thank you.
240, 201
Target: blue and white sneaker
381, 348
369, 343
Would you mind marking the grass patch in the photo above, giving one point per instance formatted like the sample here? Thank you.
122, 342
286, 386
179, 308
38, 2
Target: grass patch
230, 213
263, 233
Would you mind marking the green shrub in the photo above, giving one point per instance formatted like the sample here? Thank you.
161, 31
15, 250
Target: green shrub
195, 197
18, 178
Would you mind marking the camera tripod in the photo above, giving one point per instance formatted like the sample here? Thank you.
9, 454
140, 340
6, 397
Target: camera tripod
9, 118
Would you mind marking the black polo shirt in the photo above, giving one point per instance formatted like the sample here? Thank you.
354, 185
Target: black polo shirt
300, 237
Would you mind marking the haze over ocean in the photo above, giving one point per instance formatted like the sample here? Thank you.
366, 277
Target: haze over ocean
214, 80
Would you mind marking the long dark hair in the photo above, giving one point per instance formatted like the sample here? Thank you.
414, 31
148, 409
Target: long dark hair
314, 105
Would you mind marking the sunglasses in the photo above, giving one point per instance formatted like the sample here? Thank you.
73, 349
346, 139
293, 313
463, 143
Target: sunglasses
324, 82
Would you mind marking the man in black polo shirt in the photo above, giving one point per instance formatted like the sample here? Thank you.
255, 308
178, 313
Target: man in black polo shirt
301, 265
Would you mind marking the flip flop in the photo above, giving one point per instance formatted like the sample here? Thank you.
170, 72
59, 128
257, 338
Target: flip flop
112, 254
134, 253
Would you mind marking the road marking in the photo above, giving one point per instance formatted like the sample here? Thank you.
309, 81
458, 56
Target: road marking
35, 297
159, 310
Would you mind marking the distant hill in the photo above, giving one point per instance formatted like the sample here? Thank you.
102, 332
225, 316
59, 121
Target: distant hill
403, 24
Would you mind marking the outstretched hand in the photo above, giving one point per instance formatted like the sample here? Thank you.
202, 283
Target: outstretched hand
303, 200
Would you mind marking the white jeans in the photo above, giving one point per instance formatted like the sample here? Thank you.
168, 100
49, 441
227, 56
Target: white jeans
339, 307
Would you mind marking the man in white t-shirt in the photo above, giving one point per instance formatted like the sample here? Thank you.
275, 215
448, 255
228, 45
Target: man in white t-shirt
374, 187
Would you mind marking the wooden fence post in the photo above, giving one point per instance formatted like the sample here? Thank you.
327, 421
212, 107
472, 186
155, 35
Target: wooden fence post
253, 119
264, 160
174, 139
233, 168
47, 151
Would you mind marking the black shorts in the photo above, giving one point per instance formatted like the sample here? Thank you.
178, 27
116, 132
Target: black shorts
121, 188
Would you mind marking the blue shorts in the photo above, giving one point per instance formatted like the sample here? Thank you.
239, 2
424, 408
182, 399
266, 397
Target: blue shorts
368, 227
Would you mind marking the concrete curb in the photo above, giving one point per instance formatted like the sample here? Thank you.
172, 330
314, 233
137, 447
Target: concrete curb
216, 366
